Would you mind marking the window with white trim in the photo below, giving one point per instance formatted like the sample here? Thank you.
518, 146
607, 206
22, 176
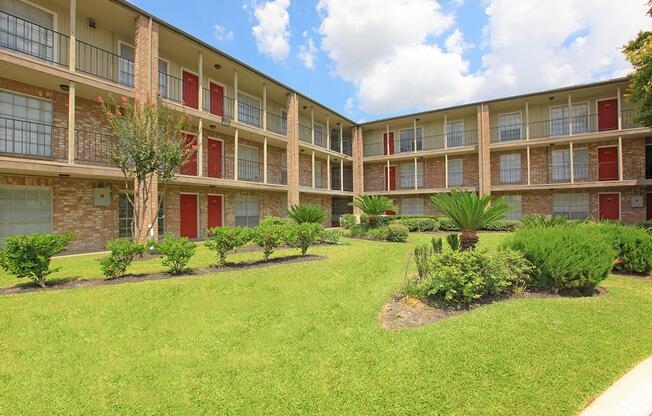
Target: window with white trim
406, 172
163, 78
559, 119
572, 206
25, 125
510, 168
318, 179
25, 210
406, 139
248, 163
249, 110
126, 65
126, 215
247, 211
455, 133
319, 135
514, 202
412, 206
27, 29
509, 127
455, 172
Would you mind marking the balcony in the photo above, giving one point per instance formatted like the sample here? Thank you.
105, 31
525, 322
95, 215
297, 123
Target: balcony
27, 139
94, 148
512, 176
104, 64
432, 142
277, 124
250, 170
250, 115
305, 133
31, 39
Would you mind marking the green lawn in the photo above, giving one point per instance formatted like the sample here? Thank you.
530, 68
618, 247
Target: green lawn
304, 339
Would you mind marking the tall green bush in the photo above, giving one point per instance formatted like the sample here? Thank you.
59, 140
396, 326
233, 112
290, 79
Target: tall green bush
224, 239
122, 254
302, 236
422, 254
268, 235
397, 233
633, 245
177, 252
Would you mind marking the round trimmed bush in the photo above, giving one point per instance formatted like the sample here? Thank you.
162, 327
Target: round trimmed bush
397, 233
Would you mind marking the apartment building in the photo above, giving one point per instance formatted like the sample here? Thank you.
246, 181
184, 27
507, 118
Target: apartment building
262, 146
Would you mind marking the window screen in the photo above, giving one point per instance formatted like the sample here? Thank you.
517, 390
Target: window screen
25, 125
509, 127
248, 163
126, 65
248, 110
412, 206
455, 133
407, 175
246, 211
455, 172
27, 29
571, 206
25, 210
510, 168
406, 139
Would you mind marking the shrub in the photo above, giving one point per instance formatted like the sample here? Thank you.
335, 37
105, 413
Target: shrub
565, 258
122, 254
268, 235
379, 233
373, 206
419, 224
364, 220
503, 225
446, 224
177, 252
273, 220
537, 220
307, 213
462, 277
224, 239
29, 255
348, 220
422, 254
437, 244
359, 230
453, 241
633, 245
302, 236
330, 236
397, 233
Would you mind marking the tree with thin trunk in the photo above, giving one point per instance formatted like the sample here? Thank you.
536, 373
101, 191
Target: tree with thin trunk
149, 148
638, 52
470, 212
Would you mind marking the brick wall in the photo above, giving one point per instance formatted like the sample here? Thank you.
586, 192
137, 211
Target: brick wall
374, 177
305, 170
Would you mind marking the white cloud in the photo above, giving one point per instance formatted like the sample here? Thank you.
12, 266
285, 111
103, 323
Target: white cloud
308, 52
409, 54
272, 32
222, 34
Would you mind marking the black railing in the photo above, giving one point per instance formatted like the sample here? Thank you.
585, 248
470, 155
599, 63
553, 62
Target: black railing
170, 87
462, 138
277, 174
249, 170
320, 138
374, 149
93, 148
551, 174
508, 133
104, 64
33, 140
629, 118
250, 115
511, 176
408, 181
346, 147
31, 39
277, 124
305, 133
407, 145
435, 141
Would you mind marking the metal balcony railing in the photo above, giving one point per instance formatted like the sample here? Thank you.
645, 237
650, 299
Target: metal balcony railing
277, 124
629, 118
277, 174
305, 133
94, 148
217, 104
320, 138
373, 149
508, 133
33, 140
170, 87
512, 176
250, 115
408, 181
250, 170
104, 64
36, 41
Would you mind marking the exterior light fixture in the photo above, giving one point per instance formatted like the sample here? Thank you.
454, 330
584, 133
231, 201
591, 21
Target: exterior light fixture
212, 126
64, 87
217, 66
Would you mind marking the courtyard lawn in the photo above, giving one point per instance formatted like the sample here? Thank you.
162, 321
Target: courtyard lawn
304, 339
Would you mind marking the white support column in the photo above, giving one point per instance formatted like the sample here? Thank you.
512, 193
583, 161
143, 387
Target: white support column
341, 174
570, 118
572, 163
387, 144
387, 178
529, 175
72, 46
264, 106
200, 148
235, 155
341, 139
620, 158
313, 169
328, 133
200, 65
312, 127
265, 159
620, 107
527, 122
414, 133
445, 132
328, 172
235, 96
416, 179
71, 122
446, 169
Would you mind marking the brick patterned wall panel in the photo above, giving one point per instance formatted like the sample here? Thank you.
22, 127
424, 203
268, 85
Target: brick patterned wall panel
374, 177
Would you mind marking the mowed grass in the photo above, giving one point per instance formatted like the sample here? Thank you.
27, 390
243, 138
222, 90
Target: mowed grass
304, 339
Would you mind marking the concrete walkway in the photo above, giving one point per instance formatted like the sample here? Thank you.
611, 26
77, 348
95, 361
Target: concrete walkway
629, 396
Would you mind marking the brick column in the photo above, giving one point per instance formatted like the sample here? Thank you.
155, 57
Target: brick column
293, 148
484, 151
146, 90
358, 170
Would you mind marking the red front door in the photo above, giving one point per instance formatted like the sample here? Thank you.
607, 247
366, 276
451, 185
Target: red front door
610, 206
608, 163
648, 206
214, 211
190, 89
190, 167
214, 158
188, 215
392, 178
389, 145
608, 114
217, 99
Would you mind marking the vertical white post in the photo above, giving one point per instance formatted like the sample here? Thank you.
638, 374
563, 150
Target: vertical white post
529, 176
341, 138
312, 126
342, 174
235, 96
446, 169
387, 144
620, 107
72, 45
313, 168
265, 159
200, 147
527, 121
328, 133
570, 117
71, 122
235, 156
328, 172
200, 65
572, 163
416, 181
414, 133
620, 158
264, 106
445, 131
387, 179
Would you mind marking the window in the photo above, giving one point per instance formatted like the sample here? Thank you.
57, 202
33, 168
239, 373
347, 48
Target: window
571, 206
126, 216
126, 65
510, 168
246, 211
25, 125
509, 127
163, 78
406, 139
25, 210
248, 163
559, 119
412, 206
455, 172
27, 29
248, 109
284, 168
284, 122
407, 175
561, 164
318, 179
648, 161
319, 135
455, 133
515, 205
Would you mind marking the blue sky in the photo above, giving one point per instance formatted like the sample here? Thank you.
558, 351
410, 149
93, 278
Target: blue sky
374, 58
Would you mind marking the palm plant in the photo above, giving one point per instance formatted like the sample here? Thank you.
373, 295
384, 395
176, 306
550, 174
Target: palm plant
470, 213
303, 213
373, 206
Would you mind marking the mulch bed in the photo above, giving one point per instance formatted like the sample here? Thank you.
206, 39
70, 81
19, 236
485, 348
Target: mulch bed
136, 278
403, 312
